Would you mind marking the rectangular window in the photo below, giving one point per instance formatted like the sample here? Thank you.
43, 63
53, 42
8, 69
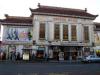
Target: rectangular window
42, 31
56, 32
73, 33
86, 33
65, 32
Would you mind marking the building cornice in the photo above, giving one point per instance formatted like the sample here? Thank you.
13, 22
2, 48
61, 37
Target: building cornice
63, 15
17, 24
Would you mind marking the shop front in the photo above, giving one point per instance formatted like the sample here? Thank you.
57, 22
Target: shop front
66, 52
86, 51
27, 54
16, 51
40, 52
11, 52
98, 53
17, 41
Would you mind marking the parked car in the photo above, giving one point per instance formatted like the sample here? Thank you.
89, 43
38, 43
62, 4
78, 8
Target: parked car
91, 58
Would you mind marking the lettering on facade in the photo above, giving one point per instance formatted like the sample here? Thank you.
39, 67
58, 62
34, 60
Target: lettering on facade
42, 18
73, 20
63, 19
72, 44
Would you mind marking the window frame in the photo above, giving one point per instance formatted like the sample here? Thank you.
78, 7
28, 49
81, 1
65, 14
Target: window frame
58, 31
75, 33
42, 30
85, 34
67, 34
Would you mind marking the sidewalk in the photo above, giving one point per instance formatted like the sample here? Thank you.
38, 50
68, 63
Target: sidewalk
68, 61
50, 61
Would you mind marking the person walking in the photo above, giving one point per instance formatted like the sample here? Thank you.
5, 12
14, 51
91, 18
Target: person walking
1, 55
46, 57
18, 56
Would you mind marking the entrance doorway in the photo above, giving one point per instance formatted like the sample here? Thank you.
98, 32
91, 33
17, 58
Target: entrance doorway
70, 53
56, 55
40, 53
12, 52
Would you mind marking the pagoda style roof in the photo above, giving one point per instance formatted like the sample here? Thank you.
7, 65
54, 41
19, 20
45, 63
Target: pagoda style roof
16, 20
59, 11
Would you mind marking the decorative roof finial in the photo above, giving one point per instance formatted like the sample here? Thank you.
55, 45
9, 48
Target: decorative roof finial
38, 4
6, 15
85, 9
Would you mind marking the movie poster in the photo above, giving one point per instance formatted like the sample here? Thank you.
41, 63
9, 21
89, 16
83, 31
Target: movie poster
18, 34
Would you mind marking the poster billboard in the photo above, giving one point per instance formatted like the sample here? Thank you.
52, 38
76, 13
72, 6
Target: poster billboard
97, 38
18, 34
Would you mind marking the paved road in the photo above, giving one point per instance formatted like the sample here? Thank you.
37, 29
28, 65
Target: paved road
49, 69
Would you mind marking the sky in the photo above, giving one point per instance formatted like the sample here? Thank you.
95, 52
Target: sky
21, 7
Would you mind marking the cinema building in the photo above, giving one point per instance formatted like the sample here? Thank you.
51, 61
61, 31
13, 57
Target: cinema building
63, 32
59, 33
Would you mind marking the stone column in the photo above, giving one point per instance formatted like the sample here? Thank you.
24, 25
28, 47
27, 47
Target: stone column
69, 32
36, 30
46, 37
61, 32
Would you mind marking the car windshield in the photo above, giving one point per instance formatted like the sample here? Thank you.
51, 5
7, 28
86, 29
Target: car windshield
92, 56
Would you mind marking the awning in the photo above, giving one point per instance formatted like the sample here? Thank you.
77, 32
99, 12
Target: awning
41, 48
27, 49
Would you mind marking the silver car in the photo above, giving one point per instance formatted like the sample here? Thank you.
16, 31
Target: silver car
91, 58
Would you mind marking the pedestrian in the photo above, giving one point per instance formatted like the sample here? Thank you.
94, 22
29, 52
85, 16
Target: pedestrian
58, 56
18, 56
4, 56
1, 54
10, 55
33, 56
13, 56
46, 57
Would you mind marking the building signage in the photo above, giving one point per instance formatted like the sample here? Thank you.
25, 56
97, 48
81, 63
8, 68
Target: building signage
41, 48
60, 19
68, 44
74, 20
56, 43
98, 51
72, 44
42, 18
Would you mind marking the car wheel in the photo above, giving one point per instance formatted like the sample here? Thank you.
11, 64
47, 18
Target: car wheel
89, 61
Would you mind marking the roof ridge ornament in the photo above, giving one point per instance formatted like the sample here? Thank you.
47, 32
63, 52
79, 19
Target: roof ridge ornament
85, 9
39, 5
6, 15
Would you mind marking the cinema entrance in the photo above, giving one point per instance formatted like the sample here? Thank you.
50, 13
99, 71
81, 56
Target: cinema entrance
67, 53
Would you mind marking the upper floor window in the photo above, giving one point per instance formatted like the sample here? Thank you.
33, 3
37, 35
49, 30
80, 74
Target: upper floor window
65, 32
86, 33
42, 31
73, 33
57, 31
